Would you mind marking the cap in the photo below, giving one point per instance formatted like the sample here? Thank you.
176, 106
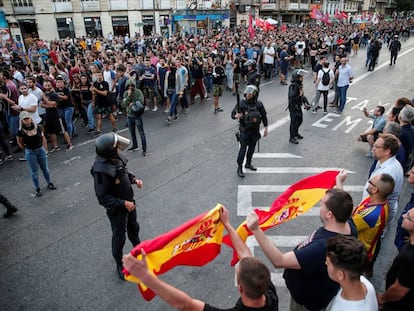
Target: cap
24, 115
396, 36
406, 114
59, 77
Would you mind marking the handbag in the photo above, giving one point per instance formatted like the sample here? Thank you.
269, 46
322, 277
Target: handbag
137, 106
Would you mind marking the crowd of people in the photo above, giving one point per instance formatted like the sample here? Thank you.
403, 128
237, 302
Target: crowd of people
56, 83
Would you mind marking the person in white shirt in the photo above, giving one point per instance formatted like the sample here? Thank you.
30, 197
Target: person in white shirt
269, 59
346, 258
300, 52
27, 102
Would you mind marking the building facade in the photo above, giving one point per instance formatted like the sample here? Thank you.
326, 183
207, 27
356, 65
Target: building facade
58, 19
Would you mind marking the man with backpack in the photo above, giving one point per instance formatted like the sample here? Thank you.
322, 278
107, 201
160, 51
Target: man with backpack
324, 81
316, 69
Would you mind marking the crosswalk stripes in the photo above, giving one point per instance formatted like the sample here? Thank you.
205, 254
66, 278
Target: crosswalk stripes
245, 202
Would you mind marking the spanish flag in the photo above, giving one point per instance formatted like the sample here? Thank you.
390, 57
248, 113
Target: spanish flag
194, 243
296, 200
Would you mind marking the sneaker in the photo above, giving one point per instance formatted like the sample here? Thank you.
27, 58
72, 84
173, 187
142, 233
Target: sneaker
90, 131
39, 192
69, 147
54, 149
325, 112
119, 269
23, 158
144, 153
207, 98
176, 118
313, 111
17, 150
133, 149
146, 108
215, 111
8, 157
219, 109
168, 121
51, 186
97, 133
155, 109
166, 110
186, 110
10, 212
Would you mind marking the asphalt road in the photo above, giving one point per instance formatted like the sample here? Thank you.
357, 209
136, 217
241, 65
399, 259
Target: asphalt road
55, 253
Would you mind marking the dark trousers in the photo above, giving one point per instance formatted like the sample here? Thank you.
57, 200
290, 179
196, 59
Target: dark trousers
5, 202
248, 140
393, 57
296, 119
119, 223
197, 88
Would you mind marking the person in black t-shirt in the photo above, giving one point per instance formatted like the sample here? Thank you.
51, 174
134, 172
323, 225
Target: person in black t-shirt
29, 139
100, 101
253, 280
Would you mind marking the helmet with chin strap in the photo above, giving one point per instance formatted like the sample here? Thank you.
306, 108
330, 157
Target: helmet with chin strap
251, 89
298, 73
250, 62
107, 145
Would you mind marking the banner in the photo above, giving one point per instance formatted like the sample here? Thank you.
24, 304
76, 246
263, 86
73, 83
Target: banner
194, 243
296, 200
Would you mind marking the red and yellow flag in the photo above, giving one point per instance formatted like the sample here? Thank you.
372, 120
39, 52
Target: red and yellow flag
296, 200
194, 243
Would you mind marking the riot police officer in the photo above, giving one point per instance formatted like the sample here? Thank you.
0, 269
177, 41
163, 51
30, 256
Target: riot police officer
295, 104
113, 188
253, 76
250, 112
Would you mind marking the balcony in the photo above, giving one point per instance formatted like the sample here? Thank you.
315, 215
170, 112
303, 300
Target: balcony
27, 10
90, 5
116, 5
59, 7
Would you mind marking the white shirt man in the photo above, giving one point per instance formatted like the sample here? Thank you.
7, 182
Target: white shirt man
269, 54
28, 102
33, 89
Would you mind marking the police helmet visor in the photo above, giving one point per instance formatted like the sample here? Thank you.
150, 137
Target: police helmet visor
121, 142
250, 89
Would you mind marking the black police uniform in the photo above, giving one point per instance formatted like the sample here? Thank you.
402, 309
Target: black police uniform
112, 187
249, 131
253, 78
295, 109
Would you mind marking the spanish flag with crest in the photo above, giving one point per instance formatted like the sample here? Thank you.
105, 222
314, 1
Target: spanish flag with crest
194, 243
296, 200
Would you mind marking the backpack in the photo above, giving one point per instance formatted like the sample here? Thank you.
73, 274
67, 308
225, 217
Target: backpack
326, 77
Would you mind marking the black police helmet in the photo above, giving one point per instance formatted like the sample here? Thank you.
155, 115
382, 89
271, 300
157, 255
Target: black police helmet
298, 73
108, 144
250, 62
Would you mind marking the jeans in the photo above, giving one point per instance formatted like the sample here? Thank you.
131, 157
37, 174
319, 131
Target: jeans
67, 115
120, 221
173, 103
137, 121
208, 82
36, 158
13, 122
342, 96
91, 119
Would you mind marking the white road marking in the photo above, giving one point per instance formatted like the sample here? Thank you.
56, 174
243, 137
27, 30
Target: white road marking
292, 170
276, 156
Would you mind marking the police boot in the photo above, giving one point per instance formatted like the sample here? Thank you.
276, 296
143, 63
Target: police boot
11, 209
119, 268
250, 167
240, 171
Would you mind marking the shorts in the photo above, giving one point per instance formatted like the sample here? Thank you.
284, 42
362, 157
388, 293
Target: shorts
55, 126
148, 92
299, 58
102, 110
217, 90
237, 77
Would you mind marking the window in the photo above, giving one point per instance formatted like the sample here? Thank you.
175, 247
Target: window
61, 0
22, 3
